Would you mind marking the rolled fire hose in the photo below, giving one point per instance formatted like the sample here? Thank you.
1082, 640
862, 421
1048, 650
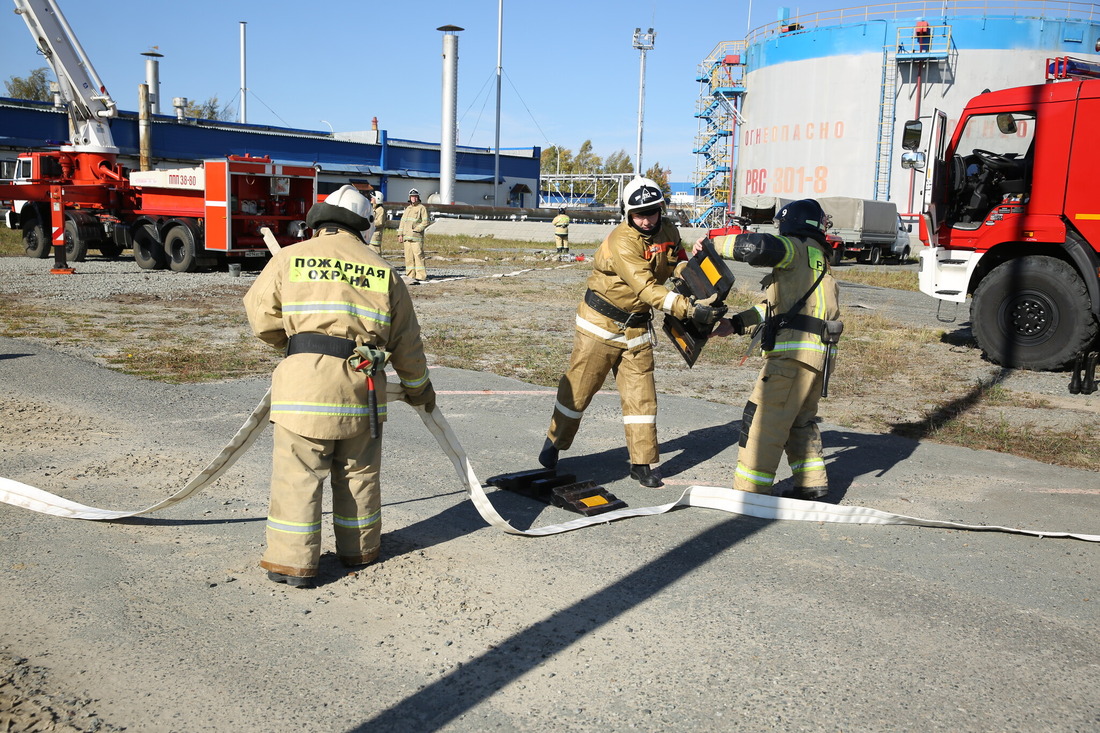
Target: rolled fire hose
710, 497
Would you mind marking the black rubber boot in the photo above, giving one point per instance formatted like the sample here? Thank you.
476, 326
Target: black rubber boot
809, 493
643, 474
548, 456
293, 581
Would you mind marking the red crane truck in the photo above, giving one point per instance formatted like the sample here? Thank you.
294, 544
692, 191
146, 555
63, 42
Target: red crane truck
78, 198
1014, 220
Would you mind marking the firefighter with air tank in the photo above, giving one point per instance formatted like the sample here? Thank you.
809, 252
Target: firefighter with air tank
613, 328
798, 326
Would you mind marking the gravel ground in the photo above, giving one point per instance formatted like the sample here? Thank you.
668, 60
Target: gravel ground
691, 621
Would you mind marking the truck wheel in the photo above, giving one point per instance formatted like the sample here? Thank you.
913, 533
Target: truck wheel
874, 257
76, 248
35, 243
1032, 313
836, 256
148, 251
179, 246
903, 258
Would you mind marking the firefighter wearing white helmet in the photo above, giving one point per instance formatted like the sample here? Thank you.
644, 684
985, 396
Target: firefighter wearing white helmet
613, 328
380, 220
414, 220
799, 326
338, 311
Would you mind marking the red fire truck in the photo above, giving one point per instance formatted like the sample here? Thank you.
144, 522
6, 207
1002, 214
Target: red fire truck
1014, 217
78, 197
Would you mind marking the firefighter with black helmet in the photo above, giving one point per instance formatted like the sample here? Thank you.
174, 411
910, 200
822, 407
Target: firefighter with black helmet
339, 312
414, 220
613, 331
561, 231
798, 325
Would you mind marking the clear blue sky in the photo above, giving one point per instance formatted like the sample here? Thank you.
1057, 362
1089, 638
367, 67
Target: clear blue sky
570, 72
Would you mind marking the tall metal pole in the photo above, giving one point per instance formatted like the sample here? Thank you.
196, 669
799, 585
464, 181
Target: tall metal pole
643, 42
496, 143
244, 85
450, 114
152, 78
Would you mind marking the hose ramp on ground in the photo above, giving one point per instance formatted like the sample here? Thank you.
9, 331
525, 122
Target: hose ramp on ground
709, 497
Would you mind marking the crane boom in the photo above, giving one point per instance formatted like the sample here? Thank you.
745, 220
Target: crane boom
89, 105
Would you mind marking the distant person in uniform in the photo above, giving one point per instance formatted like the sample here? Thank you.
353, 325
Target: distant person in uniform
379, 221
923, 35
561, 231
414, 221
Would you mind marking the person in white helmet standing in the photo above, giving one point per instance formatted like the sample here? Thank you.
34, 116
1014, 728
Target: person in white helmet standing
339, 311
414, 221
380, 219
613, 328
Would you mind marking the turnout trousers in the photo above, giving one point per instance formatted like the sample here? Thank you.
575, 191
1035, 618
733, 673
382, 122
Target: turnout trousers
781, 417
300, 465
414, 257
588, 367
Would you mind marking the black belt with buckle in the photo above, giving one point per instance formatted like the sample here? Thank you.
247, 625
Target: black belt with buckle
628, 319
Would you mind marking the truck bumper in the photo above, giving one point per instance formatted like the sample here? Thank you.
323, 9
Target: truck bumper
945, 274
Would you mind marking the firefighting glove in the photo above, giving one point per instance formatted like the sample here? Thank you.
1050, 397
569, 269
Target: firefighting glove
705, 312
737, 323
425, 399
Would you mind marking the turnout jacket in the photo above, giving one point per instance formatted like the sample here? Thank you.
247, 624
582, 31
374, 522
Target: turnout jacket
333, 284
561, 225
414, 221
380, 220
803, 260
628, 271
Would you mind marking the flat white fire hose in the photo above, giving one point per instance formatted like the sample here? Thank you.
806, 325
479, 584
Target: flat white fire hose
710, 497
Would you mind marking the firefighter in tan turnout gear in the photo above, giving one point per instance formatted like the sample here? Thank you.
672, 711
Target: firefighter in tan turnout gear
798, 327
380, 219
561, 231
334, 305
613, 332
414, 220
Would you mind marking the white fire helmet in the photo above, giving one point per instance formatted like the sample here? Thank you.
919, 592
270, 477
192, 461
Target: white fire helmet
348, 197
641, 194
376, 198
413, 192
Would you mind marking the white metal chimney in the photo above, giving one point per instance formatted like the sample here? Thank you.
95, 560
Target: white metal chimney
152, 79
449, 134
244, 84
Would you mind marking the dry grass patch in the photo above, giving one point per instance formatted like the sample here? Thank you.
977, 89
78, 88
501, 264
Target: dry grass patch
882, 277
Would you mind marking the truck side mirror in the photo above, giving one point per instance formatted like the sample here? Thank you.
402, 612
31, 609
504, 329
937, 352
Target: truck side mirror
1006, 123
916, 161
910, 136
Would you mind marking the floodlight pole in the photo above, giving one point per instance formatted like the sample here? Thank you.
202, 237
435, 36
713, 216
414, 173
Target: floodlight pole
643, 42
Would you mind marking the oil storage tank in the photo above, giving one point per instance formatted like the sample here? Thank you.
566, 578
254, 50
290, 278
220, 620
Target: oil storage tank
825, 95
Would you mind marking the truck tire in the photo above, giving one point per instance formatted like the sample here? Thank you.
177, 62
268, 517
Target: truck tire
1033, 313
76, 247
148, 251
903, 258
874, 257
35, 243
179, 247
836, 256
